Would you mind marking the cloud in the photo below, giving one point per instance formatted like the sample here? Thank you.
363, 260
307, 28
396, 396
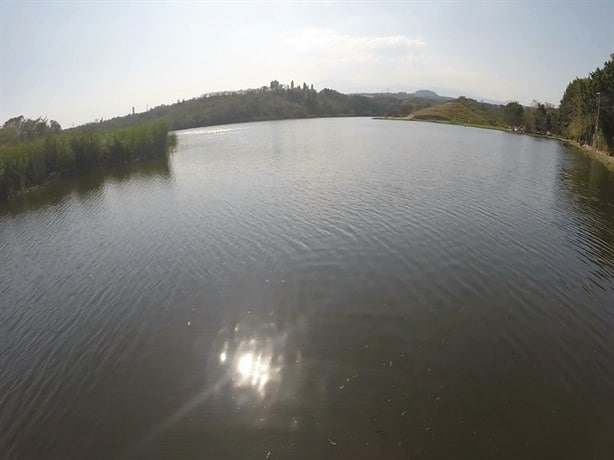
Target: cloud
328, 45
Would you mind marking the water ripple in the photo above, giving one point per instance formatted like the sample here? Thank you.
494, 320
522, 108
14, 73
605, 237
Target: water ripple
408, 275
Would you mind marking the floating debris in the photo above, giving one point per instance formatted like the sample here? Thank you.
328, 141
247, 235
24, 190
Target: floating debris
268, 454
437, 399
428, 428
341, 387
189, 323
379, 431
428, 370
390, 363
403, 413
332, 443
351, 378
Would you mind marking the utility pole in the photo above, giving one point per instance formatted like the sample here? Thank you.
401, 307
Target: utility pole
597, 121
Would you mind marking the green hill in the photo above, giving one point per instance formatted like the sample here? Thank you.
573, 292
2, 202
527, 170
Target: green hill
462, 111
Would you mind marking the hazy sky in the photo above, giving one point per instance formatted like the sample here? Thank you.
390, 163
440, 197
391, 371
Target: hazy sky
75, 61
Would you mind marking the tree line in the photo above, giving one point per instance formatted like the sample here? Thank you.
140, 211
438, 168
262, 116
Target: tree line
273, 102
585, 114
580, 103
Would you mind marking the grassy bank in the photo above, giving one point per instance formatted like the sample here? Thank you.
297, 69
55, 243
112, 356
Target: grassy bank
36, 162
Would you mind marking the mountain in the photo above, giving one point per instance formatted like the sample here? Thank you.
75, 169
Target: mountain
430, 95
422, 95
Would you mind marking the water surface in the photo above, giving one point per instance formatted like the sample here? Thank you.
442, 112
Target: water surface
333, 288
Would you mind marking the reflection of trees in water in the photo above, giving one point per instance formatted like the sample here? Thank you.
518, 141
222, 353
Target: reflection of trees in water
590, 192
88, 186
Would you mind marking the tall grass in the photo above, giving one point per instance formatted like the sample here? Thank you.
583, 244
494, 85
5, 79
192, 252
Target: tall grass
35, 162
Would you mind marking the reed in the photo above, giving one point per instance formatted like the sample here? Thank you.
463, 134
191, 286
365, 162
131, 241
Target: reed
32, 163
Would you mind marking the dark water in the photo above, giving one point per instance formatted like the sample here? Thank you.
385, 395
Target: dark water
341, 288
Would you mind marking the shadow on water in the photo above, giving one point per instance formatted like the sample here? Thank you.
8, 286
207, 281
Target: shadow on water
590, 192
84, 187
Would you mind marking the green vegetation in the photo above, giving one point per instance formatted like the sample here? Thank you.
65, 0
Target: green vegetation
20, 129
578, 109
28, 160
469, 112
461, 111
274, 102
513, 114
575, 118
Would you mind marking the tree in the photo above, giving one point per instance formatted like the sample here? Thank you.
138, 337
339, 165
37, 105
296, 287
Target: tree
541, 118
19, 129
603, 80
513, 113
529, 120
54, 126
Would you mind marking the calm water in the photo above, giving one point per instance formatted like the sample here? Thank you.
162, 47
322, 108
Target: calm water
342, 288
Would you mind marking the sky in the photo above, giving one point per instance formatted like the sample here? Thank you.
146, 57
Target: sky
78, 61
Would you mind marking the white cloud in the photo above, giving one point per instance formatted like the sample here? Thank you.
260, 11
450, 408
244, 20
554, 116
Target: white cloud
328, 45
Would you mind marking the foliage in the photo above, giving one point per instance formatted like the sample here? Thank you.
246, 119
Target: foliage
578, 109
19, 129
463, 111
603, 81
272, 102
574, 119
36, 161
513, 114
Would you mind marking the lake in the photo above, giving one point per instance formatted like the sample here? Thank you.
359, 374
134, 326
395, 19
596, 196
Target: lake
325, 288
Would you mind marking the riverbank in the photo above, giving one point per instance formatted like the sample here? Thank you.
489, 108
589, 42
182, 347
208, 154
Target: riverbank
27, 165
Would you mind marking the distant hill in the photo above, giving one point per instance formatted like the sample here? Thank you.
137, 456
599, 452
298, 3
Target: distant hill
420, 95
277, 101
274, 102
430, 95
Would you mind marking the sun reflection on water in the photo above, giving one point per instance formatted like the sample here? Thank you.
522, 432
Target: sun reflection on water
252, 363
